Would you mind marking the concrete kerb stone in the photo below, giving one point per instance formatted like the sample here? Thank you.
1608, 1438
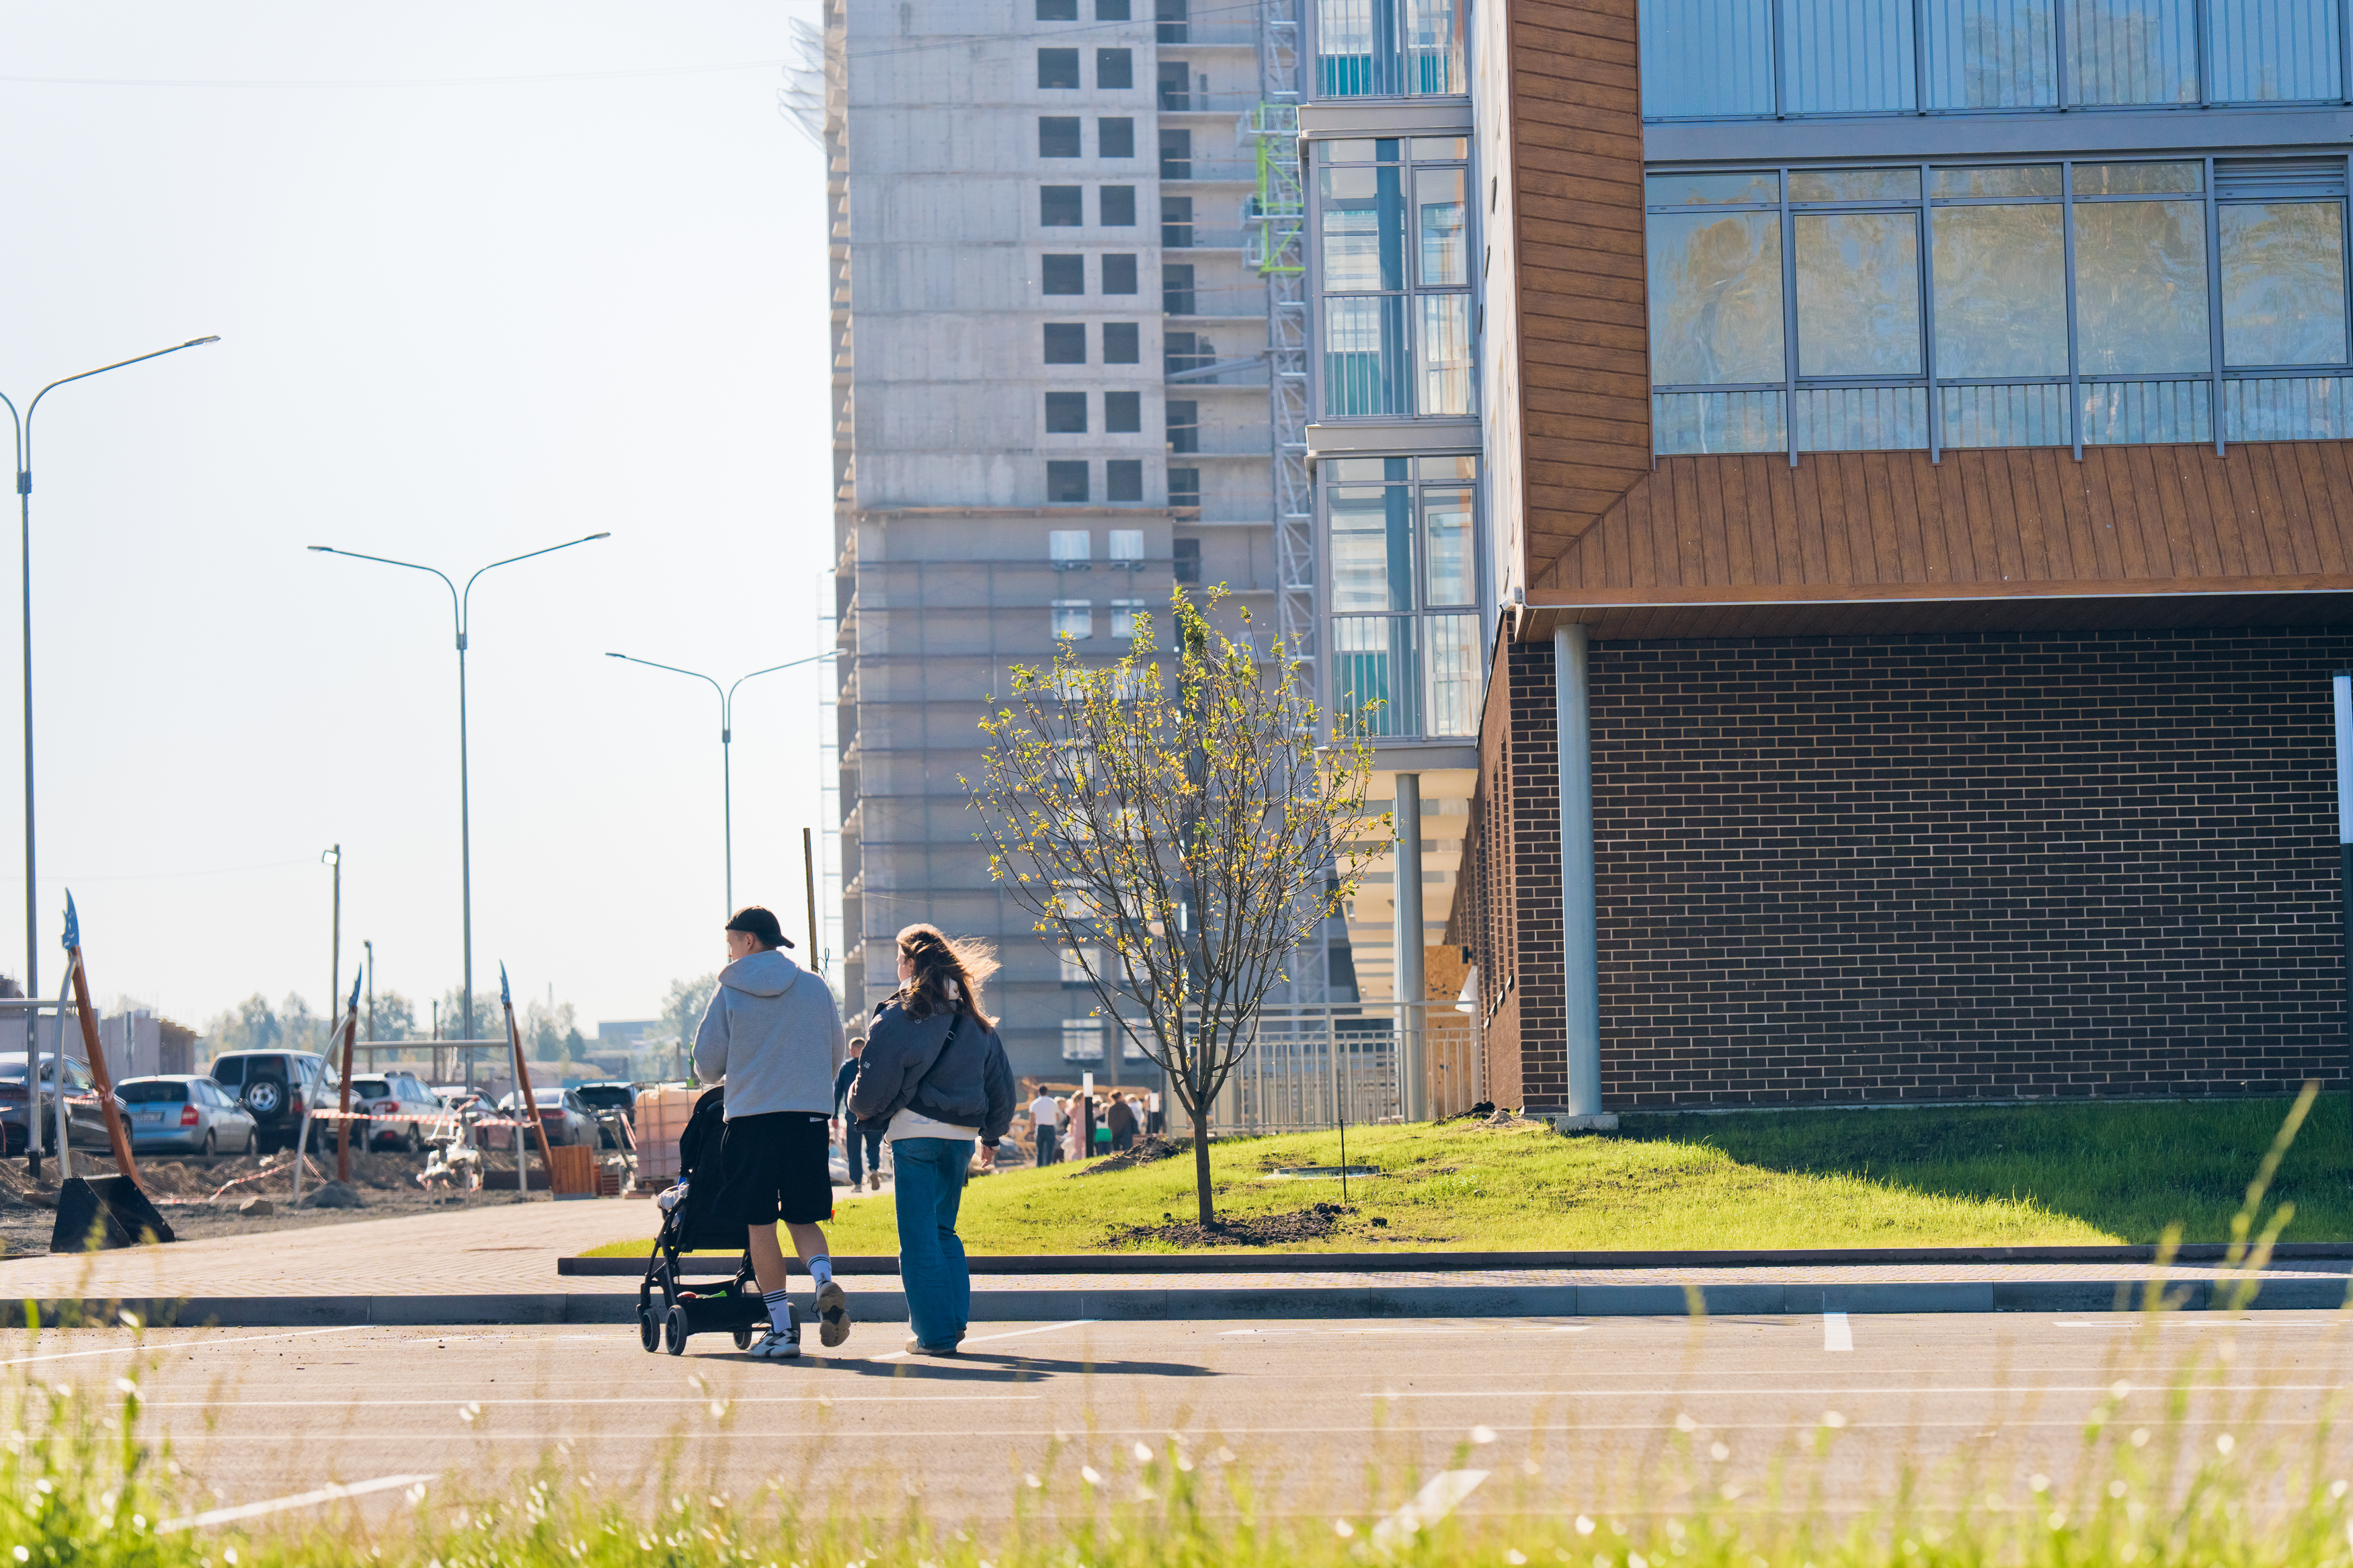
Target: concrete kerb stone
1762, 1298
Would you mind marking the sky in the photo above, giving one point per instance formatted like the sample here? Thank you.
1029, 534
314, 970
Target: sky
463, 316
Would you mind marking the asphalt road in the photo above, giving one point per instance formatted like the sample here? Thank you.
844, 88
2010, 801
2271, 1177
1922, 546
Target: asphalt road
1325, 1417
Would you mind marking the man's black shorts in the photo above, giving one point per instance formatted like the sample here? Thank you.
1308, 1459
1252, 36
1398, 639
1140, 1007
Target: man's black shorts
774, 1164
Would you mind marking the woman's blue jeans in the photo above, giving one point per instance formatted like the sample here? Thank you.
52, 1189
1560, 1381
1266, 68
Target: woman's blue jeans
928, 1174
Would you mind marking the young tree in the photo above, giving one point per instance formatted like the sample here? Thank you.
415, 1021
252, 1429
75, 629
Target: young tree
1180, 827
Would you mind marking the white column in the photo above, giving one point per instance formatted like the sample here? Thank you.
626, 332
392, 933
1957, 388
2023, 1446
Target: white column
1578, 926
1413, 1065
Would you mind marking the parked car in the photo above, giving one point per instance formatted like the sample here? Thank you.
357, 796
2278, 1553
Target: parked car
85, 1123
611, 1104
275, 1087
402, 1111
561, 1116
180, 1111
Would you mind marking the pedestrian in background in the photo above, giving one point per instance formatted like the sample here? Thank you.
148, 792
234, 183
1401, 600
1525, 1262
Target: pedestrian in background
855, 1143
935, 1078
1121, 1119
1071, 1128
1046, 1118
773, 1036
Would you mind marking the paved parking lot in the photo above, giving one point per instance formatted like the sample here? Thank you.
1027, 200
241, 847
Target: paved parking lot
1335, 1416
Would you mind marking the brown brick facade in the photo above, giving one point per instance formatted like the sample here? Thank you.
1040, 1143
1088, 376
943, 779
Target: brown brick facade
1936, 868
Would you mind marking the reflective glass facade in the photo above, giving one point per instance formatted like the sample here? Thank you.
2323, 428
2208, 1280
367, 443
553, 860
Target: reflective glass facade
1393, 276
1402, 600
1388, 48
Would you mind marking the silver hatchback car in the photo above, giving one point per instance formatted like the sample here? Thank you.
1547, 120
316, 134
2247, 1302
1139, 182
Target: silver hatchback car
183, 1112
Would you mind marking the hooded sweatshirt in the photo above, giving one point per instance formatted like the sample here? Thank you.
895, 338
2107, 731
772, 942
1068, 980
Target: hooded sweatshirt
773, 1034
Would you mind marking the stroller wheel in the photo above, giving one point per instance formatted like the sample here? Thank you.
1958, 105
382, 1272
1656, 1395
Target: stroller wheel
743, 1339
674, 1331
649, 1330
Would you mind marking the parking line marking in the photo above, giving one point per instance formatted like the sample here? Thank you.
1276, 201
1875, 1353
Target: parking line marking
1433, 1502
185, 1344
328, 1493
987, 1338
1836, 1334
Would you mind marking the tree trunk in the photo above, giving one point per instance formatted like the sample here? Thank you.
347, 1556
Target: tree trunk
1201, 1165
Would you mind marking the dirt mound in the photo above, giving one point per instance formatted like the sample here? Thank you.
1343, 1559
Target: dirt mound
1504, 1121
1252, 1230
1147, 1149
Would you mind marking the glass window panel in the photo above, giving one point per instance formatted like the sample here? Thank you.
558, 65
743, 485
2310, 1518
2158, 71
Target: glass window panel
1376, 687
1433, 46
1707, 59
1361, 471
2283, 283
1445, 353
2019, 180
2132, 51
1363, 229
1372, 547
1366, 359
1848, 57
1854, 184
1859, 294
1450, 674
2140, 286
2139, 179
1439, 469
1348, 152
1356, 49
1695, 190
1446, 573
2001, 291
1993, 54
1715, 298
1441, 221
2264, 51
1441, 148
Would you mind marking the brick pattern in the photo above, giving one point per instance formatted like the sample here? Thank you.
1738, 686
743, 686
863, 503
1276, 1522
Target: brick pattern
1515, 921
1996, 866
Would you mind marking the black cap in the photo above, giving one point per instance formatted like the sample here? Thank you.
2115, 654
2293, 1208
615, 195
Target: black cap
754, 922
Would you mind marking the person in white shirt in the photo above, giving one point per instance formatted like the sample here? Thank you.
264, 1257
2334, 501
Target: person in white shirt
1046, 1116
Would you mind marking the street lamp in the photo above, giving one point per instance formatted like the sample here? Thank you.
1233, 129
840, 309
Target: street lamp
461, 610
726, 739
24, 423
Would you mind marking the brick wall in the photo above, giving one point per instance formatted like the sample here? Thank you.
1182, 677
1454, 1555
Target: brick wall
1513, 879
1945, 868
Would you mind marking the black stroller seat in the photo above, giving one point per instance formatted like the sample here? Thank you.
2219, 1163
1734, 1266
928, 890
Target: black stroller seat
724, 1295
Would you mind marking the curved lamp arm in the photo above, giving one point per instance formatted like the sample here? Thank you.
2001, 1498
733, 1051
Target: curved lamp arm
457, 619
24, 423
466, 599
723, 692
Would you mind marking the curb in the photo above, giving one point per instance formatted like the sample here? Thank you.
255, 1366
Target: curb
1274, 1301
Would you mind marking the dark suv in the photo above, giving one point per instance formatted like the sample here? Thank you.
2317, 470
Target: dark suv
275, 1086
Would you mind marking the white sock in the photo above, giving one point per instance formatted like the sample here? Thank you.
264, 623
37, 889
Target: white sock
821, 1270
780, 1314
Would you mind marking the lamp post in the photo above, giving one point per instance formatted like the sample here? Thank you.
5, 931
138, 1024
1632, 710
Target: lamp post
334, 859
23, 425
369, 947
461, 610
726, 740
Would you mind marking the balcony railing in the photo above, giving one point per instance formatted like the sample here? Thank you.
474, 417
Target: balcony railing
1312, 1066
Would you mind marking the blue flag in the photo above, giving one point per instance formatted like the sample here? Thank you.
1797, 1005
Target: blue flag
73, 923
356, 990
505, 996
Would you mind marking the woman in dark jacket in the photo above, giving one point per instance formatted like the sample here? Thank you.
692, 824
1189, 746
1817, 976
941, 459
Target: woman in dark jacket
934, 1077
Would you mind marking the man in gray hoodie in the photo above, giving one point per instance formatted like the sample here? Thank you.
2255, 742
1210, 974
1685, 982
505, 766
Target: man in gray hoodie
773, 1036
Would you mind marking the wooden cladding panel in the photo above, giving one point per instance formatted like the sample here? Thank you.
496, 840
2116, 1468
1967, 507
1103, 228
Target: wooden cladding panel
1577, 168
2173, 518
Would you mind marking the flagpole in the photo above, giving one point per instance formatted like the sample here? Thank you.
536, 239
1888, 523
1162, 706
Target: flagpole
526, 1107
343, 1141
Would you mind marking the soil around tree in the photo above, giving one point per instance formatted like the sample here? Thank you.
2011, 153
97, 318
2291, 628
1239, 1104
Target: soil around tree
1247, 1230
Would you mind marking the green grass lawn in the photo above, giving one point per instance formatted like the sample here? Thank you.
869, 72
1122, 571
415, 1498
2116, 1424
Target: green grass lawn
2005, 1175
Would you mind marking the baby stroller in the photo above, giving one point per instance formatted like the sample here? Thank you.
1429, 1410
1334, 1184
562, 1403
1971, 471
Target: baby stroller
735, 1304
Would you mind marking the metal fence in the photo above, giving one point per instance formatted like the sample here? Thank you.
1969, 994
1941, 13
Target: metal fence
1309, 1067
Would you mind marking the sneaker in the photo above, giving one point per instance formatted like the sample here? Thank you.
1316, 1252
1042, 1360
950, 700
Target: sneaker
874, 1181
917, 1347
774, 1346
832, 1314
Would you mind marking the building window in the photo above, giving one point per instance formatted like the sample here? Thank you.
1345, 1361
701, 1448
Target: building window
1188, 553
1058, 136
1185, 491
1066, 274
1176, 288
1057, 69
1058, 10
1118, 206
1175, 86
1083, 1039
1122, 617
2164, 347
1123, 343
1123, 415
1119, 274
1114, 68
1123, 480
1184, 425
1127, 547
1066, 482
1177, 155
1115, 138
1170, 14
1365, 48
1069, 549
1176, 222
1182, 351
1079, 962
1394, 263
1059, 206
1110, 10
1404, 591
1066, 414
1714, 59
1074, 618
1066, 343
